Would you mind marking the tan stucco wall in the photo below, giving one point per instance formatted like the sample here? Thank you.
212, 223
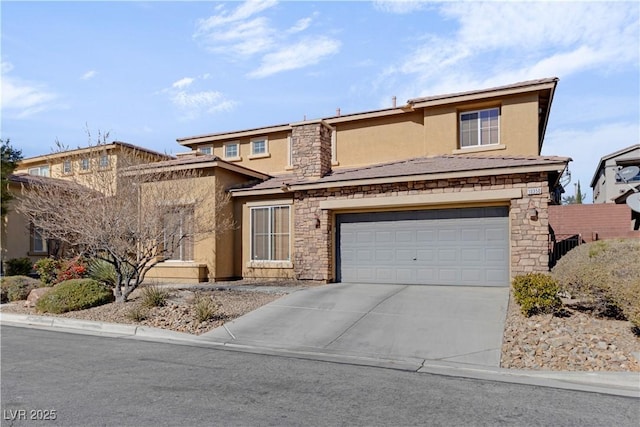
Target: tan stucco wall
380, 140
275, 161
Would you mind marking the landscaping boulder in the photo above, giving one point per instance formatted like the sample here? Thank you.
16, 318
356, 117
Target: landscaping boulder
34, 296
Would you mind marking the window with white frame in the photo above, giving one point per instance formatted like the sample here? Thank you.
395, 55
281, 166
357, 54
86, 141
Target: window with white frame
40, 171
259, 146
85, 164
38, 242
481, 127
66, 167
178, 234
231, 150
206, 150
270, 233
104, 161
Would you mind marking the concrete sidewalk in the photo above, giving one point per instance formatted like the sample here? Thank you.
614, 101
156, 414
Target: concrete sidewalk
614, 383
399, 322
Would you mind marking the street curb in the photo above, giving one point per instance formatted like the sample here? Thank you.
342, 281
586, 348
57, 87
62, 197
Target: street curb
625, 384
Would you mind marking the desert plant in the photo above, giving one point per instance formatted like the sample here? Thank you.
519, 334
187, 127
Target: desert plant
536, 293
19, 267
47, 270
137, 313
102, 271
604, 276
69, 269
16, 288
205, 308
76, 294
154, 296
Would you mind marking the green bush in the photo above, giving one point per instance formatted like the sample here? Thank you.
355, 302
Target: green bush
19, 267
47, 270
604, 276
536, 293
154, 296
16, 288
76, 294
102, 271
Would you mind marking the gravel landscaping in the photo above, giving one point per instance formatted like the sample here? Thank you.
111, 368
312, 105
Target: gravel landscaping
577, 342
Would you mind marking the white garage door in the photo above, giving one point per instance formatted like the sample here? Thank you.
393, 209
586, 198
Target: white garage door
468, 247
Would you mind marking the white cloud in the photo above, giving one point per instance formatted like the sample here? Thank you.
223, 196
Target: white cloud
301, 25
20, 98
243, 34
304, 53
89, 75
237, 33
192, 103
182, 83
520, 41
400, 6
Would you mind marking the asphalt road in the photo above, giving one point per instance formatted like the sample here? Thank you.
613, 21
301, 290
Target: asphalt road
84, 380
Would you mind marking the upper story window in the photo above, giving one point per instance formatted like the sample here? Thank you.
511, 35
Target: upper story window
104, 161
66, 167
85, 164
38, 242
480, 127
40, 171
259, 147
232, 150
206, 150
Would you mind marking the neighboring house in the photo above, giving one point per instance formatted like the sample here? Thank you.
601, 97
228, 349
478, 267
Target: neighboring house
446, 190
606, 183
19, 237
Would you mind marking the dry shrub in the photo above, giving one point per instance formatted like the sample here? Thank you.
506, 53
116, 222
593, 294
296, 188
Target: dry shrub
205, 308
154, 296
605, 276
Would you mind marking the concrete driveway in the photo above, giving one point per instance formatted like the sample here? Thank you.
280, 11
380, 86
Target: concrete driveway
397, 322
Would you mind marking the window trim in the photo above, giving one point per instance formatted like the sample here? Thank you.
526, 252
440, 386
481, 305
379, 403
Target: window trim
208, 147
33, 235
266, 153
39, 170
108, 162
65, 163
81, 163
232, 158
479, 145
270, 262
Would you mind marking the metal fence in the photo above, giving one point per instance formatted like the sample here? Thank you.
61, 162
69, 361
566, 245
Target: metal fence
560, 244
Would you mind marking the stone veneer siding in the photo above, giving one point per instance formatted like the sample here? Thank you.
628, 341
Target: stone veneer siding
313, 245
311, 147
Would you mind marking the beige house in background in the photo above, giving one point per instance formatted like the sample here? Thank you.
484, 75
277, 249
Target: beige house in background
446, 190
20, 239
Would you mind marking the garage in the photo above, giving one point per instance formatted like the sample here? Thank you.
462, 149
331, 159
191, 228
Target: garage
466, 247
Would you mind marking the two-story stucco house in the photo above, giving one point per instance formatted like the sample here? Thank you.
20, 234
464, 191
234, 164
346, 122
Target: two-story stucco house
447, 190
19, 238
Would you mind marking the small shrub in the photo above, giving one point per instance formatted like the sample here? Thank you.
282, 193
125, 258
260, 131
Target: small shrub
205, 307
102, 271
74, 268
19, 267
16, 288
72, 295
536, 293
154, 296
137, 313
47, 270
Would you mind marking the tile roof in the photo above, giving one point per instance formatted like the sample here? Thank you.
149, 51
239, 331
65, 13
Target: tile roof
413, 167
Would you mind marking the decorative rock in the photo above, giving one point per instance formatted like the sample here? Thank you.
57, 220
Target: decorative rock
34, 296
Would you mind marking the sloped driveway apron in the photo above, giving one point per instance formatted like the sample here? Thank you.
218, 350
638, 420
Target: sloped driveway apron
397, 322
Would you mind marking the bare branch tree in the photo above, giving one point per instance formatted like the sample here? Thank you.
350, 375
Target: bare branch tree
132, 216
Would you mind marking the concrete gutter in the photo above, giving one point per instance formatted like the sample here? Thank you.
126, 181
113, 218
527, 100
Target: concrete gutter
625, 384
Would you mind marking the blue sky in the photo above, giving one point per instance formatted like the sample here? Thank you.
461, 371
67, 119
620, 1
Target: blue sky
151, 72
